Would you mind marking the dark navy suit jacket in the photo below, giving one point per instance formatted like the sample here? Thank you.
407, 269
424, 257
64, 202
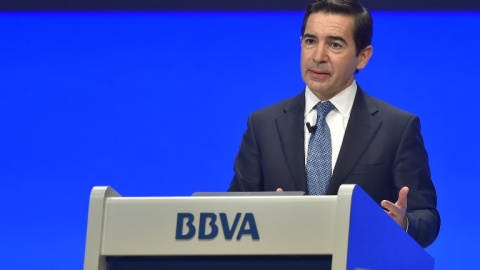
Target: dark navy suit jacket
382, 151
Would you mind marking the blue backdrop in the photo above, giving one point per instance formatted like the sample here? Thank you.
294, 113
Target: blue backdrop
131, 100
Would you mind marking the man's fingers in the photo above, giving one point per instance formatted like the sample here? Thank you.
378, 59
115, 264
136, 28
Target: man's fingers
397, 210
391, 207
402, 197
387, 205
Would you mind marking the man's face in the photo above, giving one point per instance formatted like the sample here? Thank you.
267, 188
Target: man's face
329, 58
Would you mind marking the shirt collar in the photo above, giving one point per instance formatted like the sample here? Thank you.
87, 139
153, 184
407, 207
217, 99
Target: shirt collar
342, 101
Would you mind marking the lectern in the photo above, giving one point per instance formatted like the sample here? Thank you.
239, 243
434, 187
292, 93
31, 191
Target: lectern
347, 231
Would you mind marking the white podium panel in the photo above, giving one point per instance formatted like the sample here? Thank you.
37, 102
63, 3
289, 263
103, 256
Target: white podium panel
148, 226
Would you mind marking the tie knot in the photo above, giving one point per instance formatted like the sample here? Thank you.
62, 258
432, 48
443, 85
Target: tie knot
323, 108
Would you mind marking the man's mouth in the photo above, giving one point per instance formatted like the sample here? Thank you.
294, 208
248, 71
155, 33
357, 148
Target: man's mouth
319, 73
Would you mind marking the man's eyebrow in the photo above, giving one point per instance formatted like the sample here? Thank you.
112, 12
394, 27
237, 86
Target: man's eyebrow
309, 36
337, 38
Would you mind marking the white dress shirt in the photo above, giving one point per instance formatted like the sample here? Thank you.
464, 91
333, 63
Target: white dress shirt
337, 119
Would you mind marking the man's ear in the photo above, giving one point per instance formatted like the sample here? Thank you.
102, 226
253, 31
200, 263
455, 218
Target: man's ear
364, 57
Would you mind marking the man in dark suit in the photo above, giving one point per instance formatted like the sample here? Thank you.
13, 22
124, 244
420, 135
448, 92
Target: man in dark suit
370, 143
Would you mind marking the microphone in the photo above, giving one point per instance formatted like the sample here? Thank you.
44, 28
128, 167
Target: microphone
310, 128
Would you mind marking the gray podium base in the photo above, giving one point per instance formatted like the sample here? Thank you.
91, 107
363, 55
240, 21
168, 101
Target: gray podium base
219, 262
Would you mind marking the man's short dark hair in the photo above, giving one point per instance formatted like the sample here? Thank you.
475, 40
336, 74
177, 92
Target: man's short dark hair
363, 29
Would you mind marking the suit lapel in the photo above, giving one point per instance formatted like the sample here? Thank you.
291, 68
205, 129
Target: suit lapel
362, 127
290, 130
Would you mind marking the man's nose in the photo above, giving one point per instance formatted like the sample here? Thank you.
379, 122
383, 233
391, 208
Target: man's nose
321, 54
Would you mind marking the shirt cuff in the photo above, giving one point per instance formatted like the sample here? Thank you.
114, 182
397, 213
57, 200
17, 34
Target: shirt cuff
406, 227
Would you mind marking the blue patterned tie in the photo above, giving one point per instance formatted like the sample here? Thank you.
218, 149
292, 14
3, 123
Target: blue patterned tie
319, 159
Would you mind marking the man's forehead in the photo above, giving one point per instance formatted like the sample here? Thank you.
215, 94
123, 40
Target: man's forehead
321, 23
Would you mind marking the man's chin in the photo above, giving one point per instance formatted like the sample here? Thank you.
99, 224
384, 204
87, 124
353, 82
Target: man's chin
323, 92
319, 87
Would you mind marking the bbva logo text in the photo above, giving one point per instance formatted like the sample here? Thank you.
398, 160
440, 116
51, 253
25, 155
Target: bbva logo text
185, 221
